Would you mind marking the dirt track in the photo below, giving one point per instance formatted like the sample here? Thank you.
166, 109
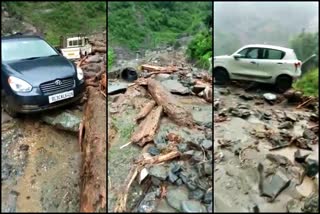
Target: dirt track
40, 167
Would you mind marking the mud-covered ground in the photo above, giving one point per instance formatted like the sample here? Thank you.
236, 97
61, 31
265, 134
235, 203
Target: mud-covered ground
40, 167
243, 140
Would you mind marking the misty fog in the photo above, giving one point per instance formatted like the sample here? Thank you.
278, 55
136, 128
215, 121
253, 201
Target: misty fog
241, 23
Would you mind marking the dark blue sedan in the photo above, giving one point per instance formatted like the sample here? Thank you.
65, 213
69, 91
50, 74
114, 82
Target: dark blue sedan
35, 77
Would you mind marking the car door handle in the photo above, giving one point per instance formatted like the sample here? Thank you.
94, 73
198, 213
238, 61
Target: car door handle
253, 62
280, 63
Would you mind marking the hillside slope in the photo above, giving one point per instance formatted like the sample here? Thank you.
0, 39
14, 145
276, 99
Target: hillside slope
59, 18
137, 25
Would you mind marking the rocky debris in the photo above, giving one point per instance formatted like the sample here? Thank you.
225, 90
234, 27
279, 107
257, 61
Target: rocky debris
279, 127
175, 87
148, 204
175, 197
270, 98
64, 121
117, 87
311, 204
294, 206
192, 206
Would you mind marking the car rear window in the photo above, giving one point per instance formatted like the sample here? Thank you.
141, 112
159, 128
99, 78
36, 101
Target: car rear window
273, 54
17, 49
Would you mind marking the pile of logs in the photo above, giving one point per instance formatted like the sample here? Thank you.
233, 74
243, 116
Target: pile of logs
93, 172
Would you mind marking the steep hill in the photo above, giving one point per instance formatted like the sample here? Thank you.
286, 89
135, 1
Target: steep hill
137, 25
54, 19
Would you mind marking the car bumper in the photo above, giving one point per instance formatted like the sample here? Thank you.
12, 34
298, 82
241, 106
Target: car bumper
30, 103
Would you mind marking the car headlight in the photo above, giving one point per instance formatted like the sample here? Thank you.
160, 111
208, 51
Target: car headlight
19, 85
79, 73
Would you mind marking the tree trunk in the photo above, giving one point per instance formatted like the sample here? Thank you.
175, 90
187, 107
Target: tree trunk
93, 185
170, 106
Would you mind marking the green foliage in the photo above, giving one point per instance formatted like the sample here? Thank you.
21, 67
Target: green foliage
148, 24
309, 83
61, 18
200, 49
306, 44
111, 58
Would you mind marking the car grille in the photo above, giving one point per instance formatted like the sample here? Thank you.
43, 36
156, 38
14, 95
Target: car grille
51, 87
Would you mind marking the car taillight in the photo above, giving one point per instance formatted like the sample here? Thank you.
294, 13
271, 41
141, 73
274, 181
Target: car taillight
297, 64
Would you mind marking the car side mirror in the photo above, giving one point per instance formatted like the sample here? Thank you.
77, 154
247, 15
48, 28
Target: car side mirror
237, 56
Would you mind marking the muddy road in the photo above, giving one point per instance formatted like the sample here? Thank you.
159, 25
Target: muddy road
40, 166
248, 176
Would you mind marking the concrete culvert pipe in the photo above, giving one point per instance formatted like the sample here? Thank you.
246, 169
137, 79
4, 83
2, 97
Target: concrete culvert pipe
129, 74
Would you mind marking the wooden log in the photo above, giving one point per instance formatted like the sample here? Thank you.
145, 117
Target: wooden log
146, 110
147, 128
171, 107
99, 49
93, 172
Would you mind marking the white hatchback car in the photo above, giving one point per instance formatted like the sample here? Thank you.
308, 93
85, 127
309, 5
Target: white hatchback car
259, 63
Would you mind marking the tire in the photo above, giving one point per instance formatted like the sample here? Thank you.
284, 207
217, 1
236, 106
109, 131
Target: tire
10, 111
221, 76
283, 83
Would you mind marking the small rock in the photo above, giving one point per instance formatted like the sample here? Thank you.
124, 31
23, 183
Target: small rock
191, 185
176, 195
196, 194
155, 181
182, 147
94, 59
24, 147
267, 116
286, 125
148, 204
210, 208
159, 172
246, 97
175, 168
153, 151
312, 167
311, 204
208, 168
270, 96
294, 206
197, 156
290, 117
308, 134
172, 177
208, 197
179, 182
192, 206
206, 144
224, 91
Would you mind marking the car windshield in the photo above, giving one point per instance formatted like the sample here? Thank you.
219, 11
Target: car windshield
16, 49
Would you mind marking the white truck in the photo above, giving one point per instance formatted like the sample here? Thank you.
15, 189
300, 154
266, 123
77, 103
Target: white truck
74, 47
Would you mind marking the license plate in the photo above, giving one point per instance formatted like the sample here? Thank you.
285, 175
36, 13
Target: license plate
61, 96
71, 54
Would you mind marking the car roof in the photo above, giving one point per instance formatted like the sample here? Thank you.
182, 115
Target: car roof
20, 37
268, 46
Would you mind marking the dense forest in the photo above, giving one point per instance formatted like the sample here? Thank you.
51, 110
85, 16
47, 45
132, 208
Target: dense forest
60, 18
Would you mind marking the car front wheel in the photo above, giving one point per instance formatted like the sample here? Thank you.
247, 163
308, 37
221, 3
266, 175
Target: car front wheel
221, 76
283, 83
8, 108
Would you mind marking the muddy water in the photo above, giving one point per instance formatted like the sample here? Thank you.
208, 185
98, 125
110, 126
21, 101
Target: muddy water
44, 168
236, 185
